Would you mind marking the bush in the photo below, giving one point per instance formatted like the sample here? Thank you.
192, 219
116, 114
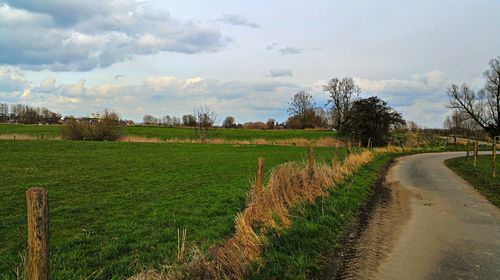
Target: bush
105, 129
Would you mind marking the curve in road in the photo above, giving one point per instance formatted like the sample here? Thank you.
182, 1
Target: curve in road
436, 226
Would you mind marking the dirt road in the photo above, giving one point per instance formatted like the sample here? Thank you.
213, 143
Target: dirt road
433, 226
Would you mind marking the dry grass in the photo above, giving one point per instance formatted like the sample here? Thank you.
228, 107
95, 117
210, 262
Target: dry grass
24, 137
269, 207
299, 142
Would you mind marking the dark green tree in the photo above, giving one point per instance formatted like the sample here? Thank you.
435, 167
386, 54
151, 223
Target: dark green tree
373, 118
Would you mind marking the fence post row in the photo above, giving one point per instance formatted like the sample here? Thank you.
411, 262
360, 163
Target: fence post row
38, 234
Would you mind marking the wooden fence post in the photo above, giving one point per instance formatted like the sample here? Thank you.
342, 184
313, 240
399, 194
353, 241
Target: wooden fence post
369, 145
334, 158
494, 156
311, 158
476, 144
467, 150
259, 177
348, 147
38, 234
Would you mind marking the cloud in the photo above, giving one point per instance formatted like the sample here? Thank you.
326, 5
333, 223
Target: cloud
12, 79
280, 73
291, 50
404, 92
237, 20
83, 35
119, 76
47, 85
272, 46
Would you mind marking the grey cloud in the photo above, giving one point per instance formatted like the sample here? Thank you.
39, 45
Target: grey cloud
272, 46
119, 76
96, 39
237, 20
280, 73
291, 50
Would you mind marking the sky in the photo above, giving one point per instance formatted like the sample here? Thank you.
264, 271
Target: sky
243, 58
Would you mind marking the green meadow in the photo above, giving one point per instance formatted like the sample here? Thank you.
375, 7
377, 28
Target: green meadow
115, 208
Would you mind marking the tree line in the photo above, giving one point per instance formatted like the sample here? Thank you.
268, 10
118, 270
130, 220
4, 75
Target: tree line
25, 114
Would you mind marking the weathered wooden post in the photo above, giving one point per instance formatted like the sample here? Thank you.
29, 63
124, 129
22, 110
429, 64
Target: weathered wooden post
259, 177
455, 142
369, 145
476, 144
494, 156
334, 158
359, 143
38, 234
348, 147
467, 150
311, 158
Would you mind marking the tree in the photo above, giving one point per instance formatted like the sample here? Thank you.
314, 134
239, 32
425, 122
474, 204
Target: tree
301, 103
482, 107
271, 123
342, 94
372, 118
206, 118
189, 120
148, 119
229, 122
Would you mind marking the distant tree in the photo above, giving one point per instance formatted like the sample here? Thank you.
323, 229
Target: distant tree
254, 125
148, 119
271, 123
342, 94
168, 120
373, 118
189, 120
412, 126
302, 102
206, 118
229, 122
482, 107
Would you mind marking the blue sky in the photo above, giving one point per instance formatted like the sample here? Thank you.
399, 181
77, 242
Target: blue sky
244, 58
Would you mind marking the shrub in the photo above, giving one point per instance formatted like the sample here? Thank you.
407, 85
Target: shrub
106, 128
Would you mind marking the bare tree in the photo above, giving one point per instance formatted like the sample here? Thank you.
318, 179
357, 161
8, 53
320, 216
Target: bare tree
342, 94
482, 107
302, 102
206, 118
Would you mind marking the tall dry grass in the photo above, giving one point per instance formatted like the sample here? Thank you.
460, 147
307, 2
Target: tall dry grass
269, 207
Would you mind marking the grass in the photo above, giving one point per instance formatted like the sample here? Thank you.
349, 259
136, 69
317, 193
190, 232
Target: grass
115, 207
479, 176
300, 252
176, 133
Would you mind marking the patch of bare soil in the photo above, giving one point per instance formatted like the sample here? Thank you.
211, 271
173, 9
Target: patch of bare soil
373, 235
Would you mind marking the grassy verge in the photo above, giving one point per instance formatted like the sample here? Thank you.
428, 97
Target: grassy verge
115, 207
479, 176
300, 252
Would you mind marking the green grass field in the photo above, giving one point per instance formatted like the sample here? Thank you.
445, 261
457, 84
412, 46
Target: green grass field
115, 207
479, 176
175, 133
